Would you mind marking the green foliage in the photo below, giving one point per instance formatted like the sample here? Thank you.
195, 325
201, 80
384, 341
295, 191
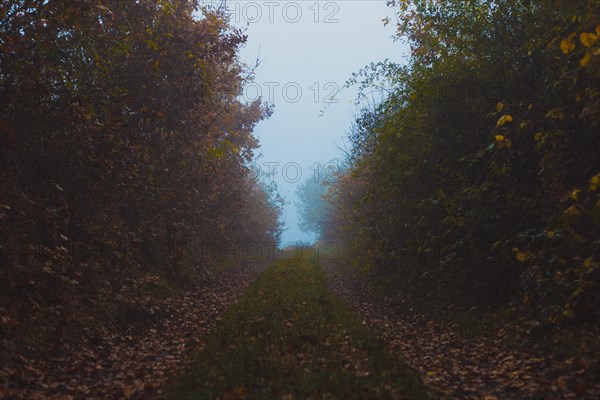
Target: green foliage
474, 181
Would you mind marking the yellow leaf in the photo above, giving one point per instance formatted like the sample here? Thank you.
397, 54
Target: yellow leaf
499, 138
504, 119
550, 234
499, 107
572, 211
586, 59
521, 256
567, 45
588, 39
152, 45
598, 30
556, 113
538, 136
574, 194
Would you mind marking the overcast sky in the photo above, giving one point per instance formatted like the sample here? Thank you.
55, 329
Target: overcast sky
308, 49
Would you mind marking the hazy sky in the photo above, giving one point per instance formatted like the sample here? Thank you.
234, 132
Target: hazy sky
308, 49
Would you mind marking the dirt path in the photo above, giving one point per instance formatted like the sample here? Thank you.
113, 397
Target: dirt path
142, 364
133, 365
465, 367
289, 338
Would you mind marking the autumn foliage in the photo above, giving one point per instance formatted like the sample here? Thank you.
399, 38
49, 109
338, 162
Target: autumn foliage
125, 150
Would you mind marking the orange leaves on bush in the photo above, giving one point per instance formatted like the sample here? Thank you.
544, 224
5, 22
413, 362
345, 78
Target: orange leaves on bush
567, 45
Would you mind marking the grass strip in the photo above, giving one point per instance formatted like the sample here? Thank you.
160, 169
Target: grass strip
290, 338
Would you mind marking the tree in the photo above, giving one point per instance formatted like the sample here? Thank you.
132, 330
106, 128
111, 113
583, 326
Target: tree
475, 179
125, 145
311, 205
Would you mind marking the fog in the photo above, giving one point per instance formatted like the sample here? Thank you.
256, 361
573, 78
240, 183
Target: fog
306, 51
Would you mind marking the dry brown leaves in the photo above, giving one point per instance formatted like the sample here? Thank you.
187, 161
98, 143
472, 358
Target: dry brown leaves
462, 367
138, 364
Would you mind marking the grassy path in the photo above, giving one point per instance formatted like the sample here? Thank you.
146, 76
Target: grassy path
289, 338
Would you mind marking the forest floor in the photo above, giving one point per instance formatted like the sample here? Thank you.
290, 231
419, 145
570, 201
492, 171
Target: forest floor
296, 332
291, 338
135, 364
458, 363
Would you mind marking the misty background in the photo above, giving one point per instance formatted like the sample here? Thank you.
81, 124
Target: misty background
306, 52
